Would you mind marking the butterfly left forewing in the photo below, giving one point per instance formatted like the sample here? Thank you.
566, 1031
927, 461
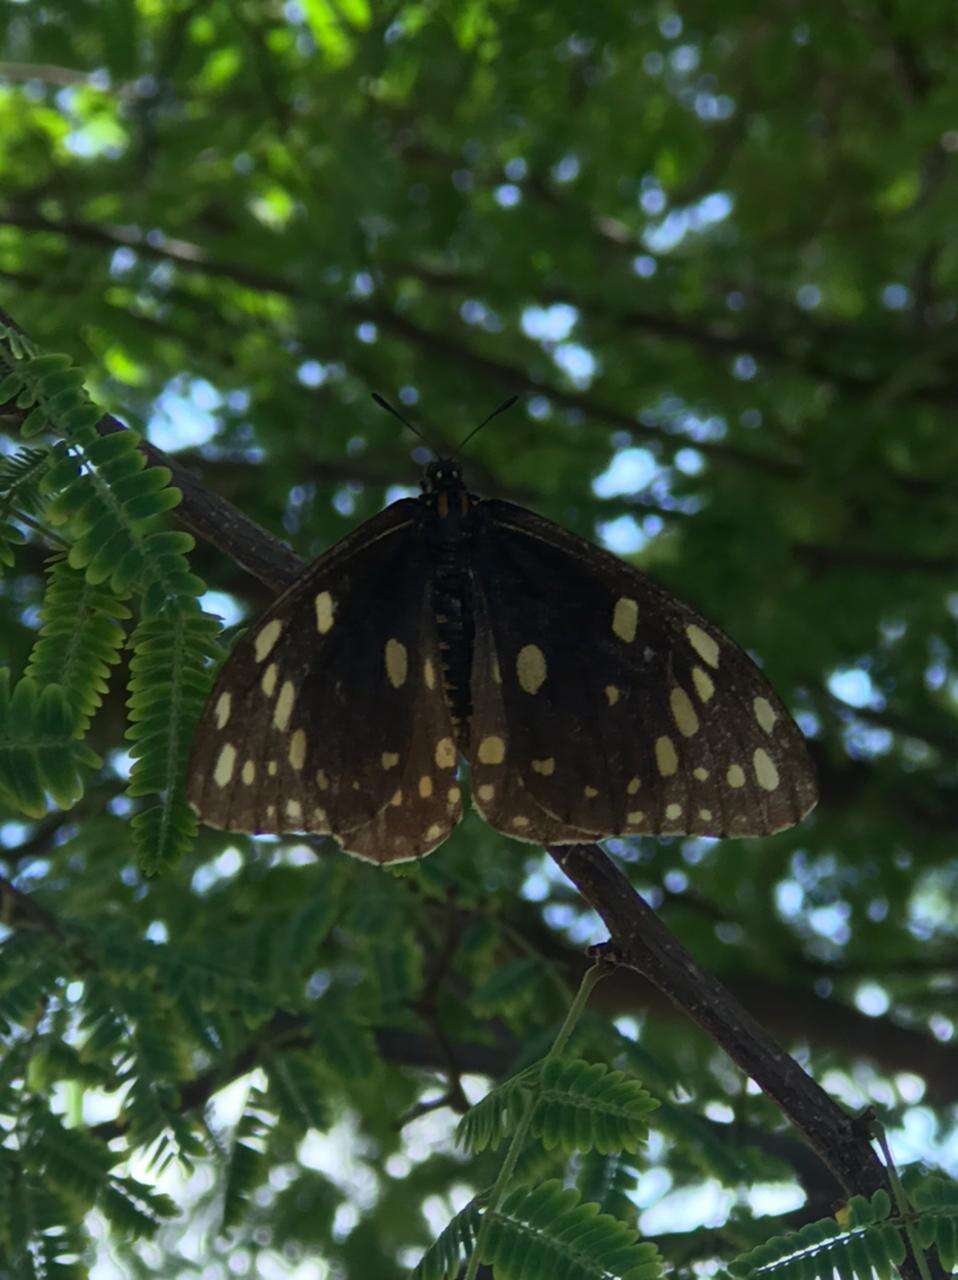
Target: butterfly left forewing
623, 710
329, 708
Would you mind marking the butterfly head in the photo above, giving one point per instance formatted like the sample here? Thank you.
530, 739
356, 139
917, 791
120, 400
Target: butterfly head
444, 475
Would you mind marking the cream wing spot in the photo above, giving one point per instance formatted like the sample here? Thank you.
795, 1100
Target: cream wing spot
703, 644
294, 810
766, 775
389, 759
397, 662
635, 817
319, 817
492, 750
284, 706
445, 754
683, 713
666, 757
700, 774
735, 776
396, 800
266, 638
704, 686
224, 765
297, 749
453, 795
590, 793
321, 780
272, 768
546, 767
429, 674
325, 609
486, 792
520, 821
531, 669
425, 787
673, 812
223, 710
249, 773
435, 831
705, 815
268, 682
764, 714
612, 694
625, 618
633, 785
496, 673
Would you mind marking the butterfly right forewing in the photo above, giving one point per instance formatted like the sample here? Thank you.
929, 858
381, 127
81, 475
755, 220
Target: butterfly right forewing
623, 710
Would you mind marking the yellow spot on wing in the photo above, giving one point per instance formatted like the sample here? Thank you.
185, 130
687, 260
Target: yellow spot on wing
453, 795
325, 608
397, 663
321, 780
665, 757
492, 750
294, 810
765, 772
272, 768
284, 705
705, 815
635, 817
703, 644
701, 774
764, 713
425, 787
266, 639
633, 786
625, 617
486, 791
389, 759
429, 674
545, 767
435, 831
704, 686
683, 712
672, 812
496, 673
735, 776
520, 821
612, 694
297, 749
224, 765
396, 801
249, 772
268, 682
445, 754
531, 668
223, 710
591, 793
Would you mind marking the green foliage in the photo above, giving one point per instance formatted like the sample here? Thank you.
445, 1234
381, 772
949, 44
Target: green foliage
170, 676
936, 1201
546, 1233
80, 639
578, 1106
454, 1244
39, 754
862, 1244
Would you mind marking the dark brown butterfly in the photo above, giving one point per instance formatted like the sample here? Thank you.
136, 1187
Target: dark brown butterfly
588, 701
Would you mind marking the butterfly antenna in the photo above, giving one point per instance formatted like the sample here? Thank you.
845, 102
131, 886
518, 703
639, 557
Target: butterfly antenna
506, 404
384, 404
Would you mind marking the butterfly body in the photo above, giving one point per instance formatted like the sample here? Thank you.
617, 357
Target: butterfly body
586, 700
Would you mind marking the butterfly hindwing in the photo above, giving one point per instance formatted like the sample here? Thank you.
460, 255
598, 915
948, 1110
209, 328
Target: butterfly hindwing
621, 710
329, 712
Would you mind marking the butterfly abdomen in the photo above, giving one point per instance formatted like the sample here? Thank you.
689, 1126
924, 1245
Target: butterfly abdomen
448, 536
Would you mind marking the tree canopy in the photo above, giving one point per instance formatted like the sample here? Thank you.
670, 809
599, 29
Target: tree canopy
712, 249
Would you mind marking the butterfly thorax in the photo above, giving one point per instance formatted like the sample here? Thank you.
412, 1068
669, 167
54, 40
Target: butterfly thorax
447, 527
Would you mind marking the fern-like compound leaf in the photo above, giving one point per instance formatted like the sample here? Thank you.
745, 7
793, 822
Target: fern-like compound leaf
546, 1233
864, 1243
39, 754
445, 1256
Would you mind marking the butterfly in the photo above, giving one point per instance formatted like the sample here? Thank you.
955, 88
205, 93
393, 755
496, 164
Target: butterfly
587, 700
